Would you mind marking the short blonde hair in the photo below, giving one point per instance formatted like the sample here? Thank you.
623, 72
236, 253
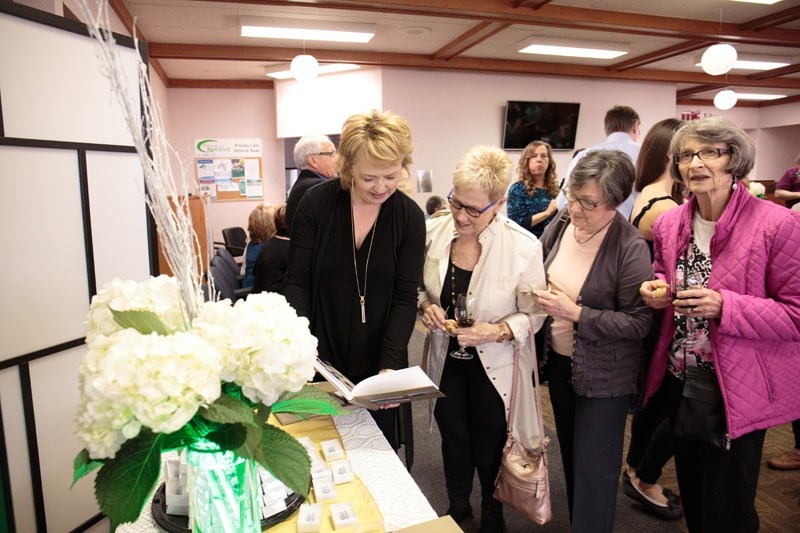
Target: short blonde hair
484, 168
380, 136
261, 223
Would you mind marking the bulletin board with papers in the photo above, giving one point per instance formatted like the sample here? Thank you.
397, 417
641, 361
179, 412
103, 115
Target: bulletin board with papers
229, 169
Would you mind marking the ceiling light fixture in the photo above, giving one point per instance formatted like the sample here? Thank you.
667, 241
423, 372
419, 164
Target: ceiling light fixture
746, 62
309, 30
576, 49
304, 67
718, 59
767, 2
725, 100
285, 73
755, 96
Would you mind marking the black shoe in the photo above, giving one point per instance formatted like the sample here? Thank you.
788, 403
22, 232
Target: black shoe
459, 512
672, 510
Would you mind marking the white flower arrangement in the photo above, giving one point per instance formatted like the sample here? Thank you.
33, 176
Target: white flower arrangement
757, 189
152, 381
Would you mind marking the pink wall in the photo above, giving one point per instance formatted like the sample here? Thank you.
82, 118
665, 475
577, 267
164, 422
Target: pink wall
228, 113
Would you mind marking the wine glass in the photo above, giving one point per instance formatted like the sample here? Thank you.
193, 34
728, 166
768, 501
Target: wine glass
532, 287
462, 312
691, 279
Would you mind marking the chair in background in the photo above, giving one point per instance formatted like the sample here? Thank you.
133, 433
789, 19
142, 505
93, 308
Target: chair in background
228, 260
225, 283
235, 240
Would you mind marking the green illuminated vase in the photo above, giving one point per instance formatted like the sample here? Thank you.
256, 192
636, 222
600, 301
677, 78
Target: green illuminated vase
223, 490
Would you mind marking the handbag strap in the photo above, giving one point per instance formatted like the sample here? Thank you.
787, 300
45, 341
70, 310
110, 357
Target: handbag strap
537, 397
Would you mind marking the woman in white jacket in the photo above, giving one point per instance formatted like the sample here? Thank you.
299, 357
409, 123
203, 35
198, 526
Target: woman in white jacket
477, 250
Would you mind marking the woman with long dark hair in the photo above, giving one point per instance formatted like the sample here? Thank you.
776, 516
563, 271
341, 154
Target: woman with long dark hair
531, 200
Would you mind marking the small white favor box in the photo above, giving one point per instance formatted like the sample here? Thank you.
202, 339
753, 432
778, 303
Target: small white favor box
324, 489
309, 518
332, 450
342, 471
343, 515
320, 469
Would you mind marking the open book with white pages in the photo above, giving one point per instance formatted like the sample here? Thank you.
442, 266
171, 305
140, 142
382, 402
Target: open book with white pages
398, 386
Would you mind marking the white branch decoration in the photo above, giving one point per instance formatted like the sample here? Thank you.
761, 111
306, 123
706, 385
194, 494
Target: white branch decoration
169, 208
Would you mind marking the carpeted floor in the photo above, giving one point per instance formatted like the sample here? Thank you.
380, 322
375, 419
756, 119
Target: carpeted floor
778, 500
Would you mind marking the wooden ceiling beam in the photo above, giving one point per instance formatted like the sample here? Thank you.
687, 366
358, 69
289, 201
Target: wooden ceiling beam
121, 10
465, 41
683, 93
533, 4
772, 73
221, 84
658, 55
420, 61
558, 16
770, 21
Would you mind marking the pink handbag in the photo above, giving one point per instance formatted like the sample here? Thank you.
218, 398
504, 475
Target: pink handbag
522, 482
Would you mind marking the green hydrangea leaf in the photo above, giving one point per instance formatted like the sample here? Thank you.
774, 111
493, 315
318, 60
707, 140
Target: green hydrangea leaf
252, 443
229, 436
185, 436
308, 401
285, 458
124, 484
83, 465
145, 322
228, 410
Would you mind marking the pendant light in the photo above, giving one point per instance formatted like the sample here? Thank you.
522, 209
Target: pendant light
304, 67
725, 99
718, 59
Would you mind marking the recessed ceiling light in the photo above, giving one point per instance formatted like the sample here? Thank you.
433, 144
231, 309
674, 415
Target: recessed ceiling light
754, 96
330, 68
308, 30
745, 62
768, 2
576, 49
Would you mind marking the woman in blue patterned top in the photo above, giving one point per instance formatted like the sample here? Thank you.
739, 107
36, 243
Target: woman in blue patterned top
531, 200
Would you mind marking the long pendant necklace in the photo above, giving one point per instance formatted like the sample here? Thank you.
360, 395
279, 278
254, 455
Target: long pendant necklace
575, 234
453, 275
362, 296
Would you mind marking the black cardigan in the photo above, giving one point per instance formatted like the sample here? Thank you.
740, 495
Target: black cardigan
320, 281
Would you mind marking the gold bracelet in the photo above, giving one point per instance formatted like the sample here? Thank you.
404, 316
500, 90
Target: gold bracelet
502, 333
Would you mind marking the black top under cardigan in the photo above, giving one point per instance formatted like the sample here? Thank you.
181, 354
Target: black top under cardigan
321, 284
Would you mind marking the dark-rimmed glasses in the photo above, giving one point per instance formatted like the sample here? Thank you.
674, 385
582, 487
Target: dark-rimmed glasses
706, 154
474, 212
586, 205
331, 153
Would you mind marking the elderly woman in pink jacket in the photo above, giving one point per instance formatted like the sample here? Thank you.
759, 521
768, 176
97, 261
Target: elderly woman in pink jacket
726, 265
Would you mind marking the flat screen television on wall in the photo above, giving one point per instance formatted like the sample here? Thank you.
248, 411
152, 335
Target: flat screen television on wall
553, 122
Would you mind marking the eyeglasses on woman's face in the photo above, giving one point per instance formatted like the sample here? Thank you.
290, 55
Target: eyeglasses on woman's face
706, 154
474, 212
586, 205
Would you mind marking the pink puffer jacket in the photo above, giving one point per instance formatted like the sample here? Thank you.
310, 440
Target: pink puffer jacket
755, 254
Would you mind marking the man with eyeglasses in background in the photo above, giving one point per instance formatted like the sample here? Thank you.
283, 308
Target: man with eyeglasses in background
622, 127
315, 156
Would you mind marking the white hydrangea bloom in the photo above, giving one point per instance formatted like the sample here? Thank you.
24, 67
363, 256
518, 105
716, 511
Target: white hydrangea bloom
159, 295
129, 380
267, 349
757, 188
